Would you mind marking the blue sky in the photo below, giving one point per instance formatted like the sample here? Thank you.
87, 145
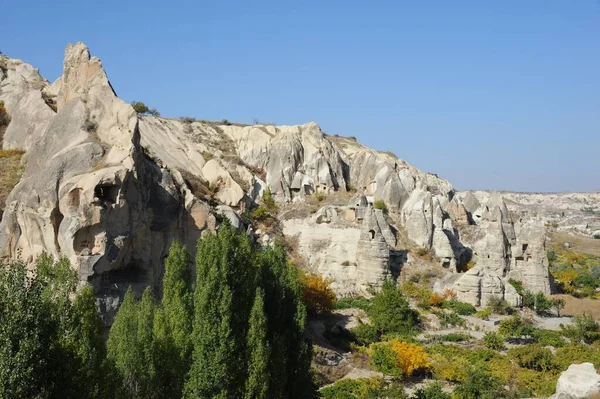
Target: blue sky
500, 94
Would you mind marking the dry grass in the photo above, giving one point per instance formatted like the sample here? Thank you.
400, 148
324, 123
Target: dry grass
579, 306
579, 243
10, 173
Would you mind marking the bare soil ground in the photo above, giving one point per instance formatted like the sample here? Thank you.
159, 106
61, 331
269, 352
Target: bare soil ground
579, 306
578, 243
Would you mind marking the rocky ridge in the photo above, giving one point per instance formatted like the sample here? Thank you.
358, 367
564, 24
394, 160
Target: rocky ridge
110, 189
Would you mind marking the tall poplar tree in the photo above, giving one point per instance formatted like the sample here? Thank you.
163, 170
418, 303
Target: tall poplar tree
257, 383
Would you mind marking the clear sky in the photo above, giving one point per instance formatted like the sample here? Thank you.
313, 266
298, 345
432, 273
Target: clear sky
501, 94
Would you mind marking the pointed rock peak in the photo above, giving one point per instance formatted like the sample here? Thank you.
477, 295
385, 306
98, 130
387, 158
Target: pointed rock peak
496, 200
80, 71
470, 202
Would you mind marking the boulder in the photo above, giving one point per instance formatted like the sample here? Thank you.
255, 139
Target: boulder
580, 381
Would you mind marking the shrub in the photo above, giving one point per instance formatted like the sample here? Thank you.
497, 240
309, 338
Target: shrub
268, 200
433, 390
4, 118
537, 302
380, 204
390, 312
493, 341
499, 305
319, 196
515, 327
143, 109
187, 119
461, 308
398, 359
548, 338
436, 301
260, 213
365, 334
596, 236
518, 285
533, 357
484, 314
207, 156
449, 319
374, 387
575, 354
417, 292
316, 294
358, 302
479, 384
350, 187
582, 329
557, 304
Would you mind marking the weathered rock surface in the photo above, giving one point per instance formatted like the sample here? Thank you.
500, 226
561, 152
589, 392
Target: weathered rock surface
110, 190
579, 381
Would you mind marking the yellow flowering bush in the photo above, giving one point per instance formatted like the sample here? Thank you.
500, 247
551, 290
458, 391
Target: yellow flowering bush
398, 358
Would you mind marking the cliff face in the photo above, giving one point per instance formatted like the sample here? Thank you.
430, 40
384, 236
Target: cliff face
110, 190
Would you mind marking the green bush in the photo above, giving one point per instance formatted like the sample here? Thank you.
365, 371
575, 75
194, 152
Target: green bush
269, 201
380, 204
357, 302
143, 109
533, 357
575, 354
493, 341
260, 213
390, 312
548, 338
484, 314
515, 327
456, 337
431, 391
597, 236
537, 302
461, 308
365, 334
449, 319
518, 285
479, 384
319, 196
583, 329
363, 388
499, 305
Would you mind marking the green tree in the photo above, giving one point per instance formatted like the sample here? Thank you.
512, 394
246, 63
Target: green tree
122, 348
390, 312
148, 382
258, 347
222, 265
26, 334
173, 323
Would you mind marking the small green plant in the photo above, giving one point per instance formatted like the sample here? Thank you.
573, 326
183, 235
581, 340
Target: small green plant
461, 308
584, 329
484, 314
493, 341
319, 196
433, 390
596, 236
449, 319
358, 302
533, 357
260, 213
380, 204
548, 338
350, 187
268, 200
365, 334
143, 109
207, 156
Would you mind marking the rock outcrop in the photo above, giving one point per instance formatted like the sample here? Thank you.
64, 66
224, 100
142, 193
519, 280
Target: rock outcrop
579, 381
110, 189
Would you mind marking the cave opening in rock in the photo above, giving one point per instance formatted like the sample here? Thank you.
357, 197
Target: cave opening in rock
372, 234
107, 193
56, 218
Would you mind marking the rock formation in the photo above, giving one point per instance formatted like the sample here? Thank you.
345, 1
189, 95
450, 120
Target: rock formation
110, 189
579, 381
